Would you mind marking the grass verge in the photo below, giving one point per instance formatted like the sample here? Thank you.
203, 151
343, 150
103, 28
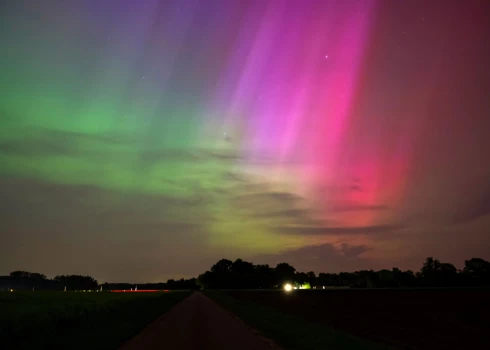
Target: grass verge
57, 320
289, 331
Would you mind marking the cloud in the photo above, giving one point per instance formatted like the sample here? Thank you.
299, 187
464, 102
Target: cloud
475, 208
38, 146
253, 204
273, 197
38, 142
152, 156
353, 251
356, 188
326, 230
236, 176
42, 202
322, 258
288, 213
357, 207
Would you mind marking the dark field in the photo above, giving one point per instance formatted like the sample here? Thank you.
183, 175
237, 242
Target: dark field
406, 319
58, 320
289, 331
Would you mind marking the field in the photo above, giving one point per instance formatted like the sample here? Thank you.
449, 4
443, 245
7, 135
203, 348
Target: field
289, 331
58, 320
406, 319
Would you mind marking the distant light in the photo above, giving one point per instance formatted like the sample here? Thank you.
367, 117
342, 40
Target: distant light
11, 290
326, 56
323, 287
288, 287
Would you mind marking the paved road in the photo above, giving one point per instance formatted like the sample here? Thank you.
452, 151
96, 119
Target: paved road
197, 323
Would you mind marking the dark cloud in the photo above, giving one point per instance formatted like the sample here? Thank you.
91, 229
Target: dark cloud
226, 156
356, 188
475, 208
154, 156
325, 230
262, 202
105, 137
322, 258
357, 207
235, 176
297, 216
353, 251
281, 197
47, 142
296, 213
42, 203
40, 146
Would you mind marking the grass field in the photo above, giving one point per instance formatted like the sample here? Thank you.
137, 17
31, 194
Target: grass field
416, 319
291, 332
58, 320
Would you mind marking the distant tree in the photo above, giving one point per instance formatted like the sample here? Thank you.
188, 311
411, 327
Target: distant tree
37, 276
344, 279
24, 280
301, 278
242, 267
311, 278
385, 279
404, 278
20, 274
476, 272
437, 274
207, 280
242, 274
324, 279
222, 266
284, 273
77, 282
264, 276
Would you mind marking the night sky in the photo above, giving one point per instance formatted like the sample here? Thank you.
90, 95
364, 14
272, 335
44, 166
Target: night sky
145, 140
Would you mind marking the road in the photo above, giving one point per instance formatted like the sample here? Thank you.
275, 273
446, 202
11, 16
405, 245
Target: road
197, 323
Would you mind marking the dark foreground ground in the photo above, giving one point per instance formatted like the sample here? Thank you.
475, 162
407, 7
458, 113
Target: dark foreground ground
58, 320
307, 320
405, 319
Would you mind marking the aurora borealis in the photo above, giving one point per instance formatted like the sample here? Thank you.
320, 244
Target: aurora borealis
144, 140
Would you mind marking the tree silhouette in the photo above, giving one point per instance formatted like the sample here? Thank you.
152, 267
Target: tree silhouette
476, 272
243, 274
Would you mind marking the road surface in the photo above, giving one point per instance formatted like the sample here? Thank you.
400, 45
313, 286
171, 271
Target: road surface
197, 323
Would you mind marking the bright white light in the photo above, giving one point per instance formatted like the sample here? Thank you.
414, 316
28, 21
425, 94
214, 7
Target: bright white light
288, 287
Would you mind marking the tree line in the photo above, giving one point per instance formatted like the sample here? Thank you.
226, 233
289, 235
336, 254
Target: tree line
240, 274
24, 280
171, 284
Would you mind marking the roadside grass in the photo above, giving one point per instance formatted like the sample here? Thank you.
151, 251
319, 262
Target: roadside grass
58, 320
289, 331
